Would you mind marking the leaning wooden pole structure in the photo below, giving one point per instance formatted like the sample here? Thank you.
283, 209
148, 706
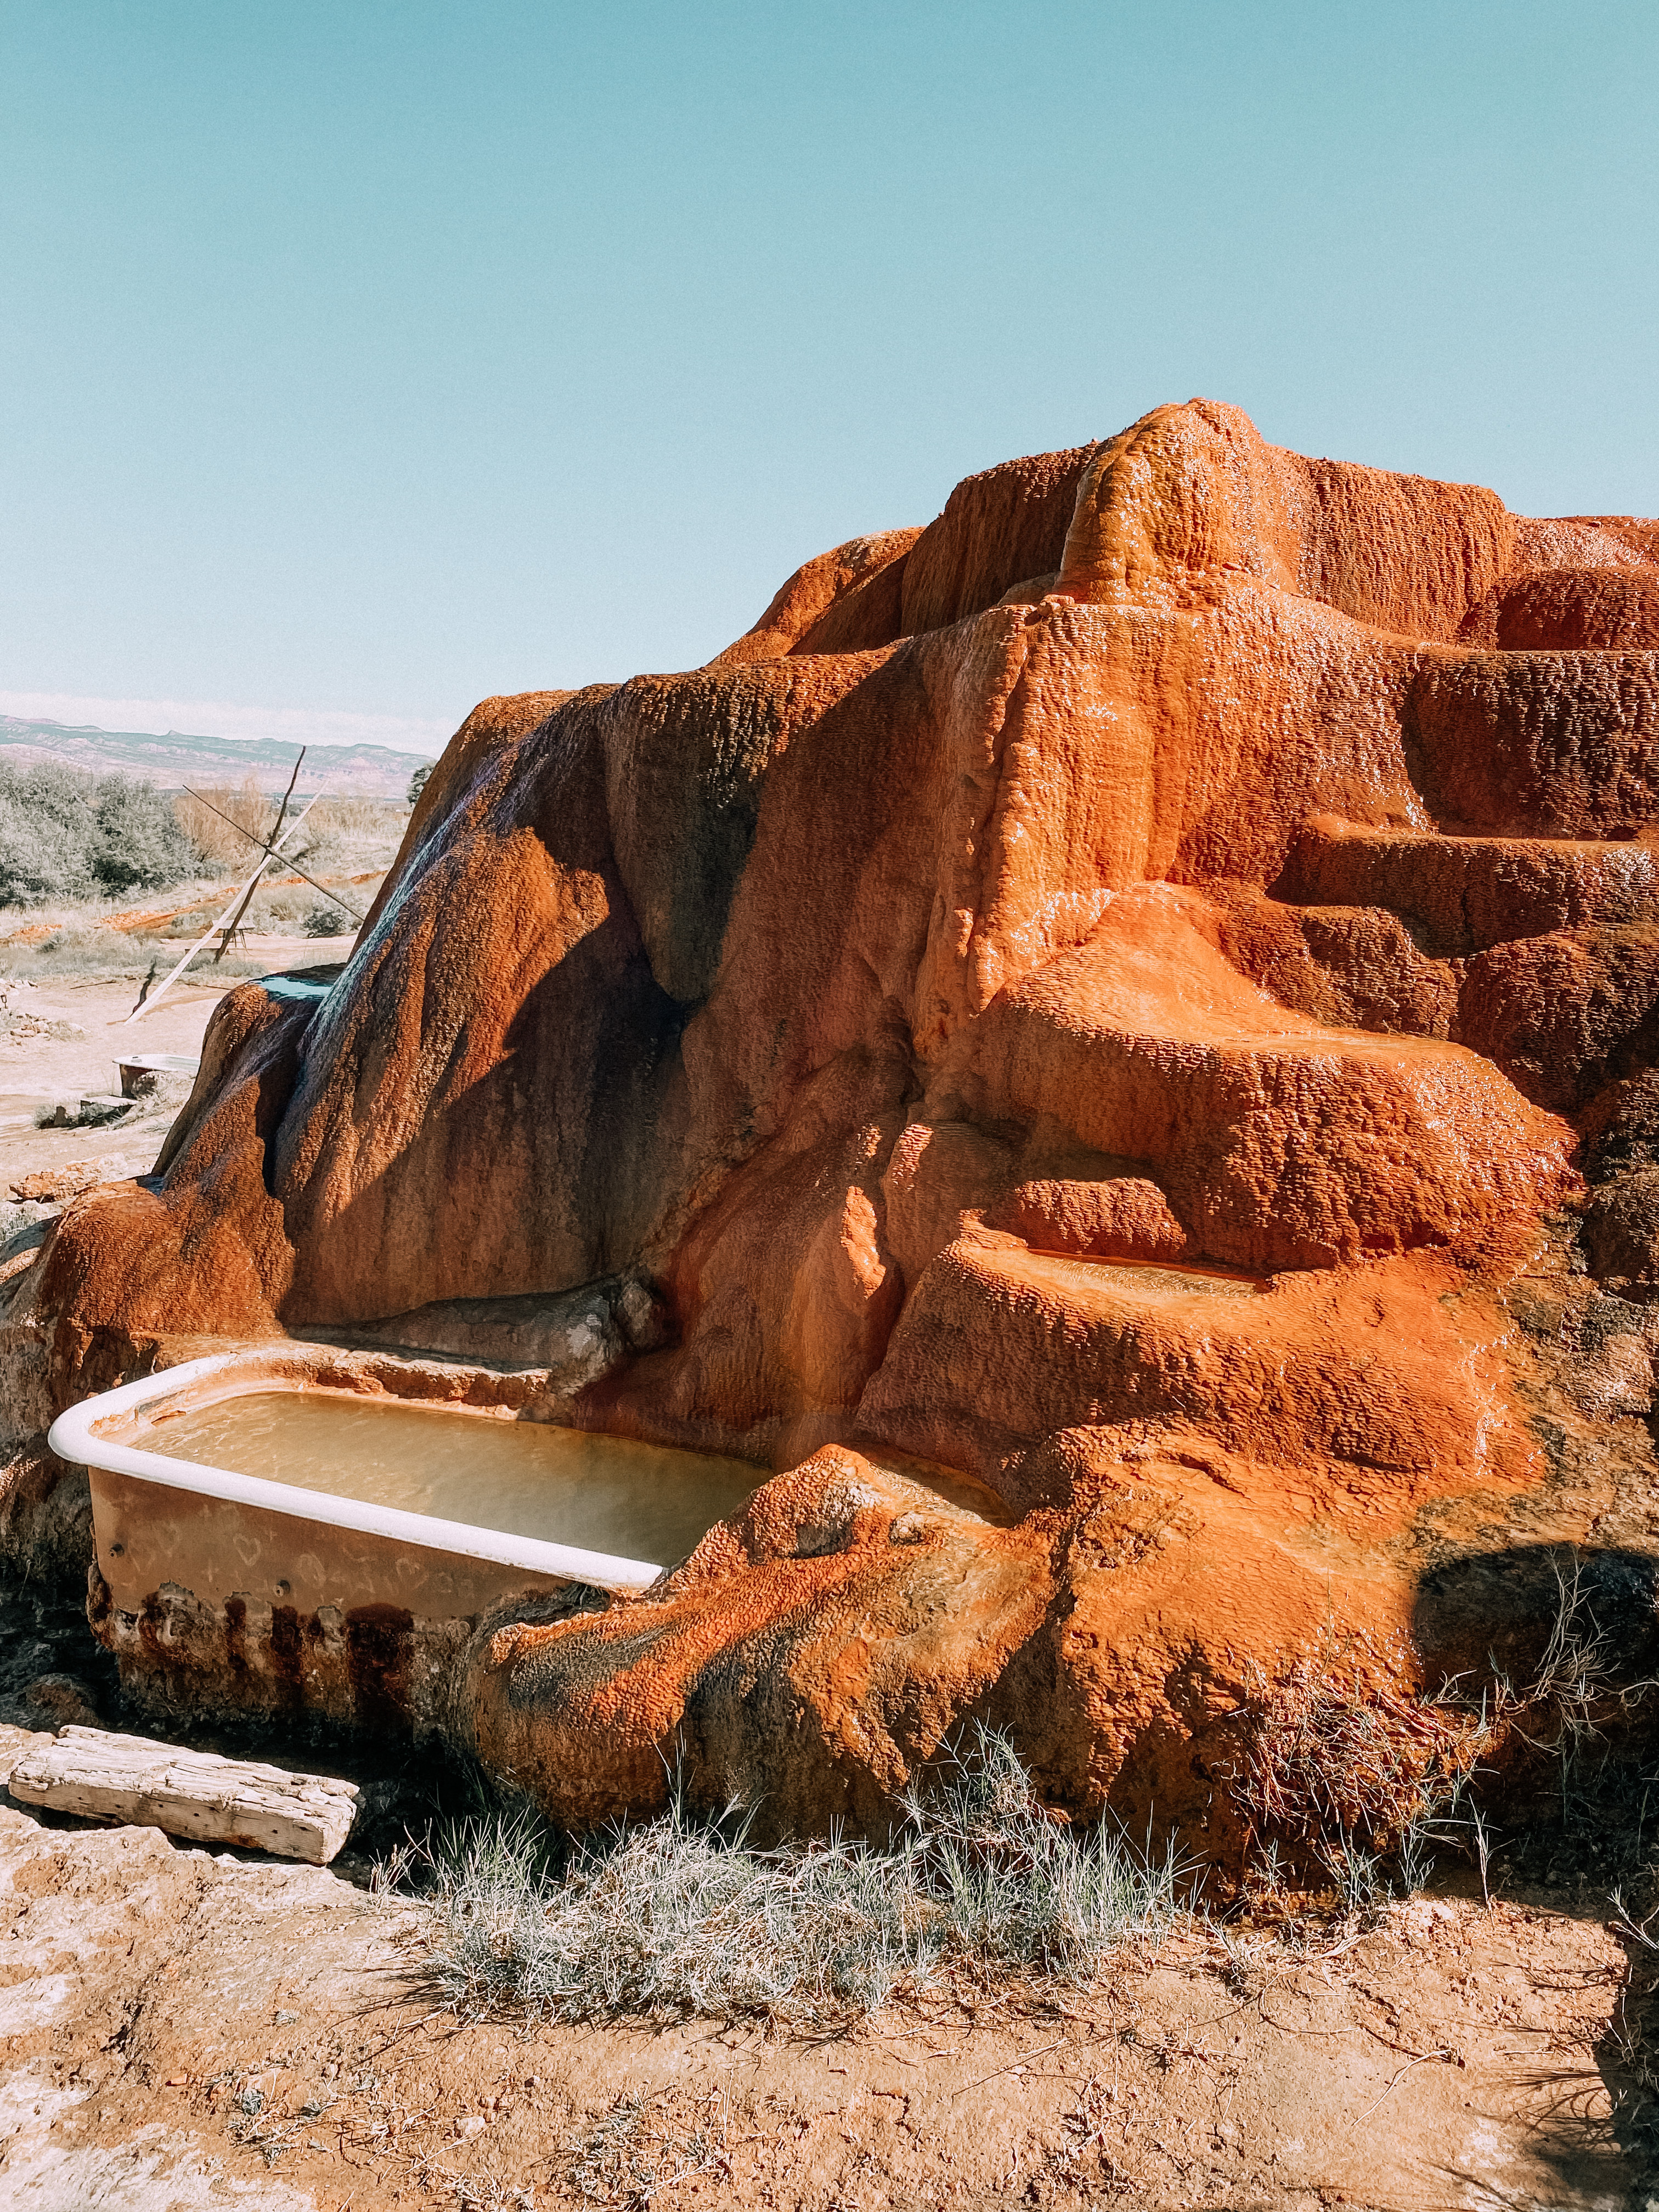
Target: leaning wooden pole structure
233, 912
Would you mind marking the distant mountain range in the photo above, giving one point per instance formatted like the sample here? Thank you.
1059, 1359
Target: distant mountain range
366, 771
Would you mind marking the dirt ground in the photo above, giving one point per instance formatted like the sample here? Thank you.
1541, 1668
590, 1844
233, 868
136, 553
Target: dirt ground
183, 2031
65, 1037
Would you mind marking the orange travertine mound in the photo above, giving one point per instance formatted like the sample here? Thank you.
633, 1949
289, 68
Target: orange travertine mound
1111, 993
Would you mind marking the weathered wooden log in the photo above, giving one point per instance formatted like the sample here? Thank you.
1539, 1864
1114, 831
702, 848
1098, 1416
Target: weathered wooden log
196, 1794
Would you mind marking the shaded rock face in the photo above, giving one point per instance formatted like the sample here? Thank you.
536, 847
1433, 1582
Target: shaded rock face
1115, 993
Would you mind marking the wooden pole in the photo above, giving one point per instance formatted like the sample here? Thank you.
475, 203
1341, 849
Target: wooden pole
236, 919
242, 895
333, 896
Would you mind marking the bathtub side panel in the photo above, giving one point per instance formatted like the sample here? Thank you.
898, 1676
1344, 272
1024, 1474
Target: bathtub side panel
213, 1604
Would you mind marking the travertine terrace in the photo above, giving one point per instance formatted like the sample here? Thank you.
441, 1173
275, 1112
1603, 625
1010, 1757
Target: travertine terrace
1140, 991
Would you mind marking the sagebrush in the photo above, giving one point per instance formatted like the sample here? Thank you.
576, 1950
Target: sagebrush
65, 835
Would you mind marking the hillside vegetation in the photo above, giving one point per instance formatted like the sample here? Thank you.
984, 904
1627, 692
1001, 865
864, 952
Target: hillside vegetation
70, 841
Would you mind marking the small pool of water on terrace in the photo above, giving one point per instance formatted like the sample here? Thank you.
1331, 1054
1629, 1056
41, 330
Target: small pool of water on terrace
1144, 1278
602, 1494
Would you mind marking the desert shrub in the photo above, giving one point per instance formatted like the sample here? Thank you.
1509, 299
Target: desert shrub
340, 815
86, 948
1351, 1778
189, 923
89, 949
680, 1915
64, 835
345, 832
279, 906
46, 835
139, 843
417, 782
1350, 1783
220, 841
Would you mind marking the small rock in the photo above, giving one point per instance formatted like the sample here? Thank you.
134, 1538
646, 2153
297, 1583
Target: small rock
97, 1106
912, 1529
58, 1185
830, 1522
643, 1316
62, 1701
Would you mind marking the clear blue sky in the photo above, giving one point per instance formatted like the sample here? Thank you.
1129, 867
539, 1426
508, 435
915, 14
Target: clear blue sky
369, 358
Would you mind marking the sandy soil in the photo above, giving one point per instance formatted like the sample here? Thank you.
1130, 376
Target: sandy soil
39, 1068
182, 2031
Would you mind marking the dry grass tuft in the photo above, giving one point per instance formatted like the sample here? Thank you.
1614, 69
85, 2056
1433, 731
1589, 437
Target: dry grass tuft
1336, 1751
1350, 1779
678, 1916
640, 2148
220, 842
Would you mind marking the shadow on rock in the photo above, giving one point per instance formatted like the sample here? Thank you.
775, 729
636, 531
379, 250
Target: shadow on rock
1532, 1619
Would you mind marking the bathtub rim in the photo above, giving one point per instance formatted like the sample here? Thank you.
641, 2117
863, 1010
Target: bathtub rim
74, 1437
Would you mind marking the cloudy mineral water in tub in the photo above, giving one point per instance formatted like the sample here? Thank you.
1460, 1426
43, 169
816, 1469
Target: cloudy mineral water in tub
602, 1494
